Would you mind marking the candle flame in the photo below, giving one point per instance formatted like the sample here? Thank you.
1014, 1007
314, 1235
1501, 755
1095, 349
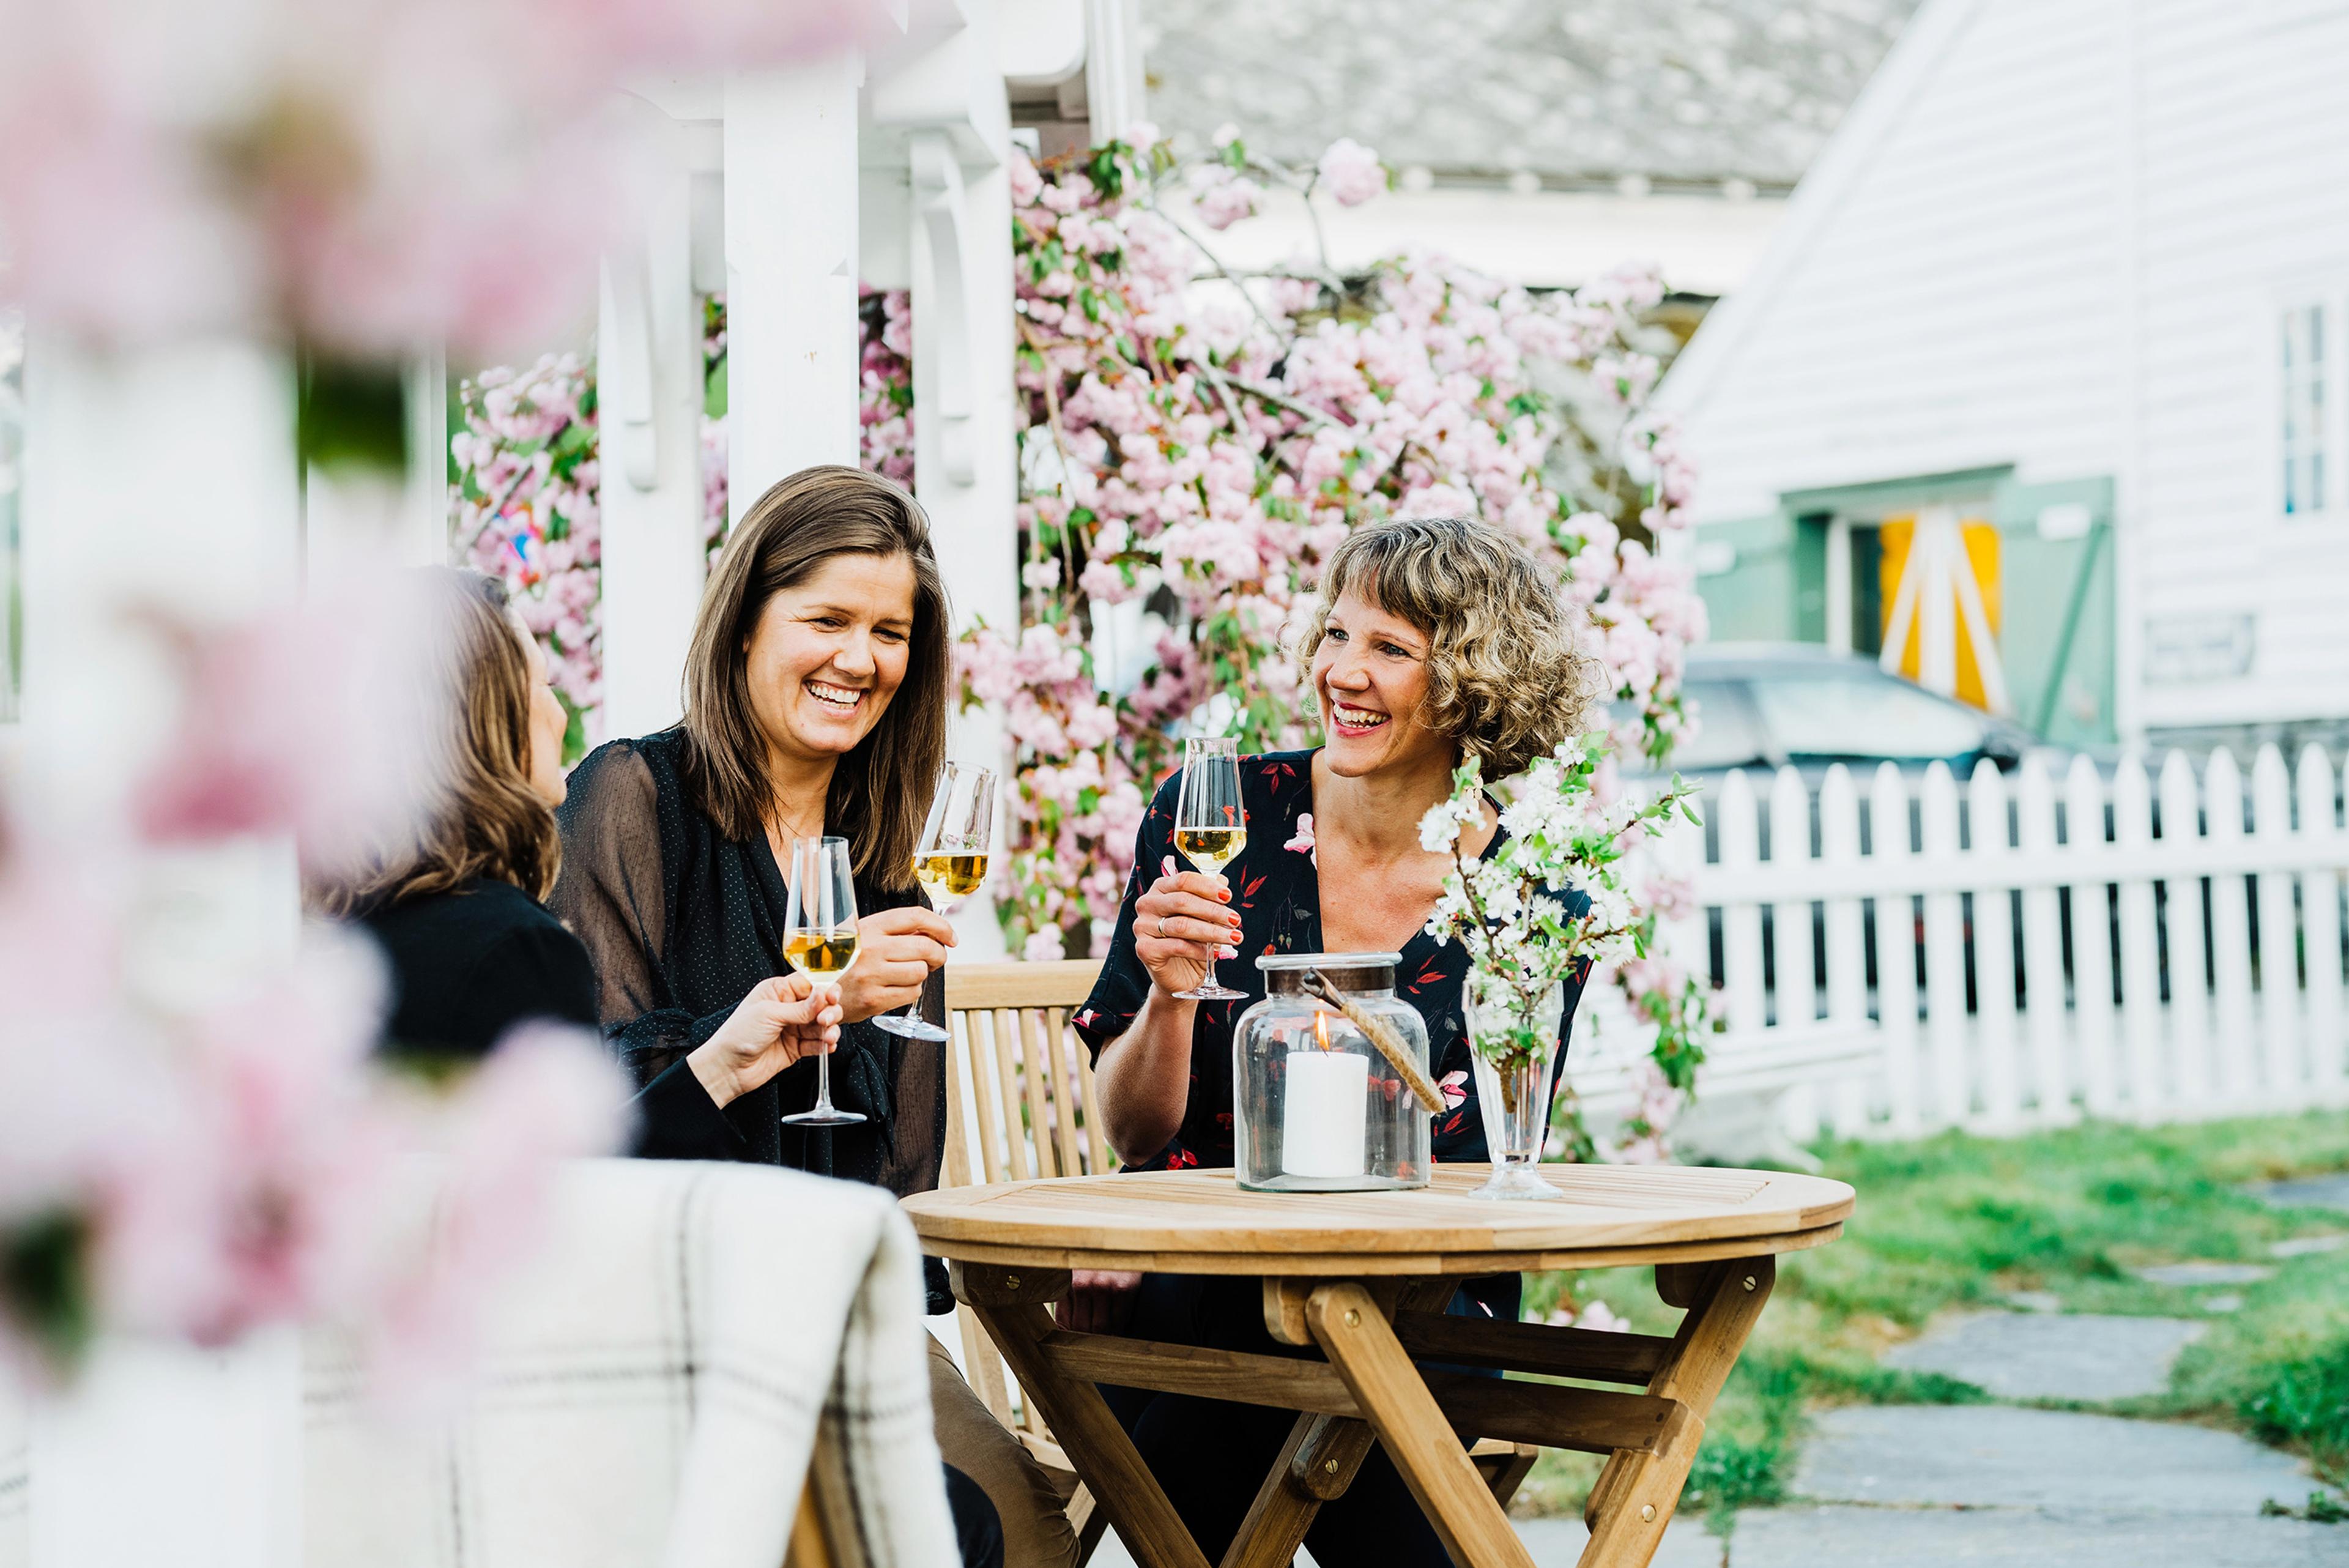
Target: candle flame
1320, 1029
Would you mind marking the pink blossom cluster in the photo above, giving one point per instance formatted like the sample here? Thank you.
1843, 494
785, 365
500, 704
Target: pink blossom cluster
525, 500
363, 177
527, 511
885, 388
194, 1140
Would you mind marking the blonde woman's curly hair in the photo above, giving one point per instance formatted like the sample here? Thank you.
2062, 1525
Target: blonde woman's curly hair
1507, 677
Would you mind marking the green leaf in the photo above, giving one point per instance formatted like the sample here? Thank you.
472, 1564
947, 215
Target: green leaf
46, 1287
715, 388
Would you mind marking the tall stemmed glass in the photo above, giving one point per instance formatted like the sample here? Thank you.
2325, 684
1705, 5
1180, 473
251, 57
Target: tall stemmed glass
950, 863
1210, 828
820, 940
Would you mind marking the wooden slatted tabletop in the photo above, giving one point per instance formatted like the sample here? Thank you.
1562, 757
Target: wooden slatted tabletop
1202, 1222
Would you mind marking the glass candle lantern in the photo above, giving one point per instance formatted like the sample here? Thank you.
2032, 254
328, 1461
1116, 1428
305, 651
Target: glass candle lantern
1330, 1097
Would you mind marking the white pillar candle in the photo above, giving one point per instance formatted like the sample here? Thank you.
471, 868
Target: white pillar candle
1324, 1109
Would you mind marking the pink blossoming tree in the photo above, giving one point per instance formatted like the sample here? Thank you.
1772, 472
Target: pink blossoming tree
1200, 441
528, 469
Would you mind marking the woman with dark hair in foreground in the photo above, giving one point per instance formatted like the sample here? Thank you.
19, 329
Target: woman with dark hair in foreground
454, 899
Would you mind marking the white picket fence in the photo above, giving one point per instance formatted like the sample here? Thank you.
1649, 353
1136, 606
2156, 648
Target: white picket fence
2191, 972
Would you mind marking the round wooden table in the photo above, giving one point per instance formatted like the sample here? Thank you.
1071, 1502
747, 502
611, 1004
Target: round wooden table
1357, 1282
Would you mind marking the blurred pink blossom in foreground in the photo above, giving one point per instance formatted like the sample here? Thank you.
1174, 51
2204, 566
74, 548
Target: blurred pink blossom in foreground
198, 1148
364, 176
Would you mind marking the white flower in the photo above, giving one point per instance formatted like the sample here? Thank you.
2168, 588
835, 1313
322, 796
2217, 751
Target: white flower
1440, 828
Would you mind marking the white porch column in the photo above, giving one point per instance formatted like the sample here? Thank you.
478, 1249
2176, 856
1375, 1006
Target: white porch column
162, 478
947, 94
1113, 68
649, 392
165, 476
791, 272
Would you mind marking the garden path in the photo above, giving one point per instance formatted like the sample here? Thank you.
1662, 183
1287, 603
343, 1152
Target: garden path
1989, 1486
2008, 1485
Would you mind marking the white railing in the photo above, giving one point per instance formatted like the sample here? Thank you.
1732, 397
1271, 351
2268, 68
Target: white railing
2002, 955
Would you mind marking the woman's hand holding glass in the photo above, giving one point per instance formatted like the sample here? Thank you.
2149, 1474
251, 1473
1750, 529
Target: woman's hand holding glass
782, 1021
1182, 926
897, 950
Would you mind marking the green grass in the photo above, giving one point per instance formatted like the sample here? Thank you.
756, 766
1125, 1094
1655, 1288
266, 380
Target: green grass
1957, 1221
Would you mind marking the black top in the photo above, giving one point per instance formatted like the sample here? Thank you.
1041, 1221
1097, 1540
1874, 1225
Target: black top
1276, 888
682, 922
468, 964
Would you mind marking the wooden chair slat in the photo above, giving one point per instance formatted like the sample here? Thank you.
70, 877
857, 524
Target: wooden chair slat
981, 1060
983, 1365
1036, 1070
1062, 1067
955, 1165
1007, 1069
1094, 1136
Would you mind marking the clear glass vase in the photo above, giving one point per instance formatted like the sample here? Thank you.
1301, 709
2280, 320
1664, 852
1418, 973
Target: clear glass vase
1514, 1047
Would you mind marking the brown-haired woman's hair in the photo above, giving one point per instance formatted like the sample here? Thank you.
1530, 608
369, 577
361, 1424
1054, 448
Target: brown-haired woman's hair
1507, 677
475, 813
881, 790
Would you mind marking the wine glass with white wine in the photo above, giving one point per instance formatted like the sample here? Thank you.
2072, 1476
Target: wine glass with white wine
1210, 828
950, 863
820, 940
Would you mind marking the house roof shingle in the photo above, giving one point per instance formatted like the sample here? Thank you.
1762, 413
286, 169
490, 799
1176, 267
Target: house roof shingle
1577, 92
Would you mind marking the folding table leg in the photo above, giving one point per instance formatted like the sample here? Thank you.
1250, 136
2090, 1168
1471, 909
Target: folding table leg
1104, 1457
1323, 1452
1362, 1345
1319, 1447
1637, 1491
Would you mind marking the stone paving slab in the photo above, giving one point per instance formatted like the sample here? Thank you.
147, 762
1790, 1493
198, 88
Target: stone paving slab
1843, 1537
1553, 1544
1559, 1543
2045, 1355
1987, 1456
2314, 1192
2302, 1246
2193, 1275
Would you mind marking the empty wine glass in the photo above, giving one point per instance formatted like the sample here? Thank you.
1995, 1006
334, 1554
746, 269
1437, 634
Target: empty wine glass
1210, 828
950, 863
820, 940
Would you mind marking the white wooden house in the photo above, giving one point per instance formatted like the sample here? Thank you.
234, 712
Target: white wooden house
2063, 302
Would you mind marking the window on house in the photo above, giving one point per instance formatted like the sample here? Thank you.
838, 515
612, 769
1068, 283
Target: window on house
2305, 416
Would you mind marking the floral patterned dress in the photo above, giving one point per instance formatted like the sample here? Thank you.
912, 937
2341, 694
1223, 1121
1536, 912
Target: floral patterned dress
1276, 887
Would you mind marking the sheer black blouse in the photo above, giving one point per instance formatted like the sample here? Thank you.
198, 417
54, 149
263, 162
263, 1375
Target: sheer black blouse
682, 922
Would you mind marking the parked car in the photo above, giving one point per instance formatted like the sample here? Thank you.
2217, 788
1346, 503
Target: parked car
1761, 705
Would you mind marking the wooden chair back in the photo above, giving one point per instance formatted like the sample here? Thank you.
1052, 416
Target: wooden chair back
1019, 1083
824, 1532
1020, 1103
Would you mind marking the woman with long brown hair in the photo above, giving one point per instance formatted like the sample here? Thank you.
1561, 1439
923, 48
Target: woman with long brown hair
815, 695
815, 705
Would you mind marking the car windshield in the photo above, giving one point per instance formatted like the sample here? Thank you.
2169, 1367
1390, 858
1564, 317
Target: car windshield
1859, 715
1722, 732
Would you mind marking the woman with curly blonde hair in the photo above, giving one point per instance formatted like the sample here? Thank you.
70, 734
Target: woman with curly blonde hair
1433, 639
